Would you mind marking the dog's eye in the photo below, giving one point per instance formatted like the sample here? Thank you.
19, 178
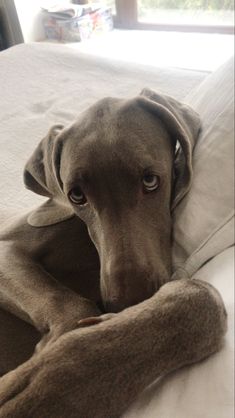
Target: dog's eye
151, 182
77, 197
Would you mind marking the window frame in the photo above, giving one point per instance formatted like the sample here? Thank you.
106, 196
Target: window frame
127, 18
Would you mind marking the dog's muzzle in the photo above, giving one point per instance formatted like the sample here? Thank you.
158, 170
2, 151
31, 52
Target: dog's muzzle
126, 287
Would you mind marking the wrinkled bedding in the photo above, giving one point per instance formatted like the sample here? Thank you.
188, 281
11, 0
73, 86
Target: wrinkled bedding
43, 84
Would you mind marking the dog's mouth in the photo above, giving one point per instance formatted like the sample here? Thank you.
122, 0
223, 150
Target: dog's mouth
116, 306
101, 306
116, 302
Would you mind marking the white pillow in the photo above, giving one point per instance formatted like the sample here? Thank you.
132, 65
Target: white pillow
203, 221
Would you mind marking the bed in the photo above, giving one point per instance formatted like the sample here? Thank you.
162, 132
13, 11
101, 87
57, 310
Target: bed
44, 84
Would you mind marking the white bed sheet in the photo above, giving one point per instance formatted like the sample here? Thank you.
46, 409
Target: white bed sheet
44, 84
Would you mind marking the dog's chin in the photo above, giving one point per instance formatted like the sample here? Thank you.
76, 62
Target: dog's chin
112, 307
115, 305
101, 306
116, 299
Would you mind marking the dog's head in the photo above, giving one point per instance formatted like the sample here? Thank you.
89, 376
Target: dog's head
119, 170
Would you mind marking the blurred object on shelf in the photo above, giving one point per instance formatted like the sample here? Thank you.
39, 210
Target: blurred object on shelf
80, 1
75, 22
102, 20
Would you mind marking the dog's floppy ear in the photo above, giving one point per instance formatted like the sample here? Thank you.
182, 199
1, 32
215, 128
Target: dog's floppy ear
41, 177
183, 124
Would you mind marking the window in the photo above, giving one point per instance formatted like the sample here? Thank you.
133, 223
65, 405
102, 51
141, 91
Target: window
188, 15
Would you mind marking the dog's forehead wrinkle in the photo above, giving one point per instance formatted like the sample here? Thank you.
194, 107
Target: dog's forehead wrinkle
113, 140
115, 157
112, 120
101, 112
106, 162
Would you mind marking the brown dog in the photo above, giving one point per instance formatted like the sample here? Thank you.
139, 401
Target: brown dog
102, 243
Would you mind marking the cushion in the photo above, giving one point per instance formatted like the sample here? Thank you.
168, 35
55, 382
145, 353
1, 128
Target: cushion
203, 221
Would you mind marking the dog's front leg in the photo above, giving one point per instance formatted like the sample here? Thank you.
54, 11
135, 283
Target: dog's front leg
98, 371
32, 294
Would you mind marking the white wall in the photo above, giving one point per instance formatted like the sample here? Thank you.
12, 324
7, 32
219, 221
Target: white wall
30, 18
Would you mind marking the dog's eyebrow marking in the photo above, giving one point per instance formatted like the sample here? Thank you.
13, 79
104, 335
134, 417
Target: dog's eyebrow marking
152, 165
80, 177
